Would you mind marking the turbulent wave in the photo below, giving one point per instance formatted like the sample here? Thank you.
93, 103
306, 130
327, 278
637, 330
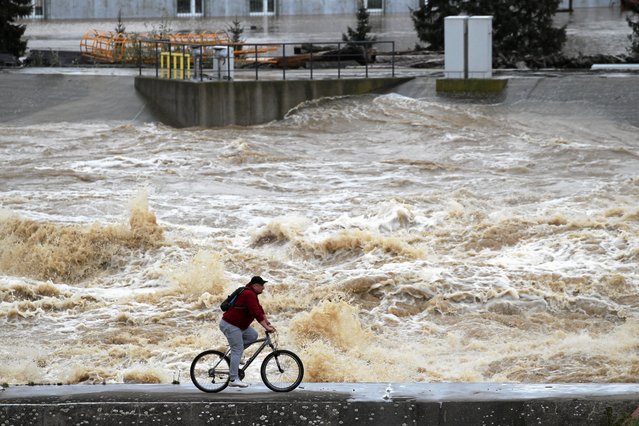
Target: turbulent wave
49, 251
337, 114
489, 244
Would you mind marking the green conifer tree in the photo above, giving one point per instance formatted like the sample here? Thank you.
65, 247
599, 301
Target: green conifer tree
236, 30
120, 28
11, 33
429, 21
362, 33
633, 23
520, 27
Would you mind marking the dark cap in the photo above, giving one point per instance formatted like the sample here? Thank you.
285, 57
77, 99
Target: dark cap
257, 280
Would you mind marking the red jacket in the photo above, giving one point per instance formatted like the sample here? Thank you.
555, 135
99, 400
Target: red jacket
247, 308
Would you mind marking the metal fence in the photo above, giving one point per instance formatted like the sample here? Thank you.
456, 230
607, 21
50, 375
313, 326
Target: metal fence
255, 61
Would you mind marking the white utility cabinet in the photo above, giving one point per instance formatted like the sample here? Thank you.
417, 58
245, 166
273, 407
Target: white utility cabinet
480, 47
468, 44
455, 46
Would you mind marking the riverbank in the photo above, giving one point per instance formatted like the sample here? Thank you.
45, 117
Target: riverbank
324, 404
594, 35
89, 94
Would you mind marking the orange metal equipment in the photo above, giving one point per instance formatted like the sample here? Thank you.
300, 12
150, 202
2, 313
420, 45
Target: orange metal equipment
103, 46
111, 47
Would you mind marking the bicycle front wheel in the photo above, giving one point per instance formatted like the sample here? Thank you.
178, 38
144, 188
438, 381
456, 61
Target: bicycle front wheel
210, 371
282, 371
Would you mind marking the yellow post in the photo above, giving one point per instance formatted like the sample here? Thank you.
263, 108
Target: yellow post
174, 60
165, 64
171, 62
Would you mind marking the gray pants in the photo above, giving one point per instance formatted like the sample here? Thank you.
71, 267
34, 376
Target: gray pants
238, 341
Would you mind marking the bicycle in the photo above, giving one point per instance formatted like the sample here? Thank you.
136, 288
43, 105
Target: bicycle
281, 371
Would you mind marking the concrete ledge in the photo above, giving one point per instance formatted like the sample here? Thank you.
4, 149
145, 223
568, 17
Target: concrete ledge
471, 85
183, 103
323, 404
615, 67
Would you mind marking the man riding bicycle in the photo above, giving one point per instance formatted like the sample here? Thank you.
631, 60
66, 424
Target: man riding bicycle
236, 325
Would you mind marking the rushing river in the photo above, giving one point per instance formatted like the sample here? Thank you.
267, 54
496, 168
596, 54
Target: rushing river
403, 240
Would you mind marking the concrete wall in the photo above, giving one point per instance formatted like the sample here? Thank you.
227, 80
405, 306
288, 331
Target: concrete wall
400, 6
316, 7
332, 7
230, 8
58, 98
324, 410
183, 103
587, 3
109, 9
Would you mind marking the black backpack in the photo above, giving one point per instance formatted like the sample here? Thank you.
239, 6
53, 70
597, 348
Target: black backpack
229, 302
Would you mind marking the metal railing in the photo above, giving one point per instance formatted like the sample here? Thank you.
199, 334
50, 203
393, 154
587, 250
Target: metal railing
312, 60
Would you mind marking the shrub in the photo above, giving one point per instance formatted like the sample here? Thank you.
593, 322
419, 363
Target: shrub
520, 27
633, 23
362, 33
10, 33
429, 21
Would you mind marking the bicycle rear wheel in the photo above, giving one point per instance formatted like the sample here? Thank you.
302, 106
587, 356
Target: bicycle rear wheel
210, 371
282, 371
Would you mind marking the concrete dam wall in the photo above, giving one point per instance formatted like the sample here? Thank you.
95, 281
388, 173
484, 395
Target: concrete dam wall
48, 98
184, 103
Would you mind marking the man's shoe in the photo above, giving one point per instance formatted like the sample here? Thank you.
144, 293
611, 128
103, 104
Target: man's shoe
238, 384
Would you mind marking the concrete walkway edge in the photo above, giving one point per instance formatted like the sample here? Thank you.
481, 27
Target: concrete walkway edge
323, 404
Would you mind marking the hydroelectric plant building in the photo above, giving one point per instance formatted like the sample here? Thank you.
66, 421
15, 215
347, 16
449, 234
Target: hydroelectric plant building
104, 9
140, 9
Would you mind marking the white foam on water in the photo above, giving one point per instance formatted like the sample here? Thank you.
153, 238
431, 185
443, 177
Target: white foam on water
489, 245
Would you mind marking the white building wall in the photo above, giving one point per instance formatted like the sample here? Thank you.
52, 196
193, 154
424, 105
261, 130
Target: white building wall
109, 9
316, 7
577, 4
400, 6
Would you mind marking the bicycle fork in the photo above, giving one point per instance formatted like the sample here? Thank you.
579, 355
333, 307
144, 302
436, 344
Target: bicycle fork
277, 362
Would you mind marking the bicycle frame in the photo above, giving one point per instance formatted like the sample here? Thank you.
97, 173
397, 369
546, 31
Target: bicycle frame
266, 341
